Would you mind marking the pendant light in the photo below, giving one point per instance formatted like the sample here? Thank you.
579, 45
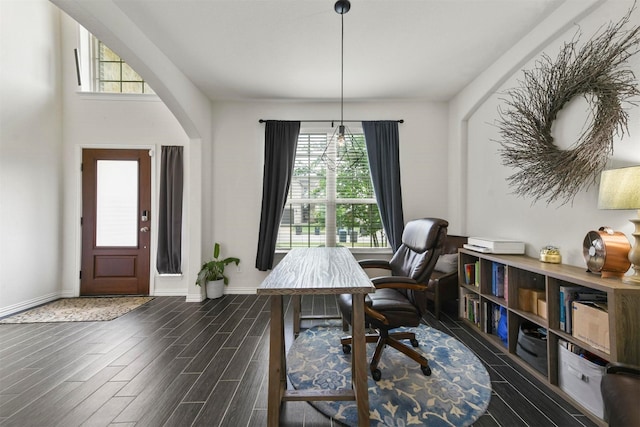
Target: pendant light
342, 7
342, 148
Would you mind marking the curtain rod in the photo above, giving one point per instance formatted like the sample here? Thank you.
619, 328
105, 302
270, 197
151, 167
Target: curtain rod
332, 121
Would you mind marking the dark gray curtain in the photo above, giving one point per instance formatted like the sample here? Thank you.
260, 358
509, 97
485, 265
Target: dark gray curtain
280, 142
169, 257
383, 149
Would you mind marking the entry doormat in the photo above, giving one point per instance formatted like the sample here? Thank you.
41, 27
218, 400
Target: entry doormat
83, 309
456, 394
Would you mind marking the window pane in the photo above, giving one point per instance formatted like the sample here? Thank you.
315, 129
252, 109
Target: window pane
110, 71
309, 172
117, 203
107, 54
132, 87
302, 225
128, 74
110, 87
147, 88
359, 225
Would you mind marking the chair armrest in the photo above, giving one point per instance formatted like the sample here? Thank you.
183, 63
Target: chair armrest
622, 368
445, 277
397, 282
375, 263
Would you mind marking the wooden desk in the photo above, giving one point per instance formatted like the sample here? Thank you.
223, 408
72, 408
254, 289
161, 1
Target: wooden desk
316, 271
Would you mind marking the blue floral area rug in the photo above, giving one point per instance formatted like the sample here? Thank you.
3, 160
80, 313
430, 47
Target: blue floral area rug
456, 394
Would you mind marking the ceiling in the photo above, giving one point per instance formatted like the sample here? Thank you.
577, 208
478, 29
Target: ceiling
290, 49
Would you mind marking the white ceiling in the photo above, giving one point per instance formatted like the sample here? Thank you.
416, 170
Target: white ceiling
290, 49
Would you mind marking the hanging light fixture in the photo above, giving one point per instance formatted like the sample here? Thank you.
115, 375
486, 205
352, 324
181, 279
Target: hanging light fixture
342, 7
341, 147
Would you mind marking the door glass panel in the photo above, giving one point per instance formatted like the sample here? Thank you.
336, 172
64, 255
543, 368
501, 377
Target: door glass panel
117, 203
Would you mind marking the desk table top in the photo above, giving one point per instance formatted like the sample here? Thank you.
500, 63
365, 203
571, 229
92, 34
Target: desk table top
317, 271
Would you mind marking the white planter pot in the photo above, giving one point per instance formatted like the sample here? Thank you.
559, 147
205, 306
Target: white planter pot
215, 289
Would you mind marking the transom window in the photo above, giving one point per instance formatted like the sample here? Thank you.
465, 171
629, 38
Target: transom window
113, 75
102, 70
331, 200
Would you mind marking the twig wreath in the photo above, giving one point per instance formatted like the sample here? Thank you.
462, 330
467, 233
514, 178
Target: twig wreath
596, 72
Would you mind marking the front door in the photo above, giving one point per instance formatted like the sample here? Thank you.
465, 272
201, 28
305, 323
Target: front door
116, 219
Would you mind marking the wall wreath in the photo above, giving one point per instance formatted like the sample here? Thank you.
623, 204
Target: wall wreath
595, 71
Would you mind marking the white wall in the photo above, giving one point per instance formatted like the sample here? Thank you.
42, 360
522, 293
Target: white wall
489, 207
112, 121
238, 158
30, 154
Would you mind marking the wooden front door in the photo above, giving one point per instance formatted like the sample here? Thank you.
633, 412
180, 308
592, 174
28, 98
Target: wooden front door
116, 222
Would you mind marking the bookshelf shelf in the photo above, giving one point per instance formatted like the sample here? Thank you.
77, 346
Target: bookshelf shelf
526, 280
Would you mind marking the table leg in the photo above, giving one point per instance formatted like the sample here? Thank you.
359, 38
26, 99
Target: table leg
277, 362
295, 300
359, 360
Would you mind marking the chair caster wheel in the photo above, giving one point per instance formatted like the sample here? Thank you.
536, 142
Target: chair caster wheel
376, 374
426, 370
346, 349
414, 343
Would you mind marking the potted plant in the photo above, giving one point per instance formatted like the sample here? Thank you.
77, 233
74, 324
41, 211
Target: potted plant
212, 274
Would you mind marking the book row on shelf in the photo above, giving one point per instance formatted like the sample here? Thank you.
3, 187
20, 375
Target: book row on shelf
499, 278
485, 315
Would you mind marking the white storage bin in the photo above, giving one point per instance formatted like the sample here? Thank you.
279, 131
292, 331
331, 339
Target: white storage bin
580, 379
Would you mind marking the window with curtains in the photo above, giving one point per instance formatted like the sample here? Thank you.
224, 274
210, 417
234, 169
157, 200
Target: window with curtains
331, 200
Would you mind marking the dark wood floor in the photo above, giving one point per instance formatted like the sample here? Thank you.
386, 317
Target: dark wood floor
173, 363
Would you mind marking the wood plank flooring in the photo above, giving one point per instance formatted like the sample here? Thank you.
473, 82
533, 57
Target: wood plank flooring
173, 363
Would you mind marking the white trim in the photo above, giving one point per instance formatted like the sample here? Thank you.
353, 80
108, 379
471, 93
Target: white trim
25, 305
195, 297
242, 291
108, 96
170, 293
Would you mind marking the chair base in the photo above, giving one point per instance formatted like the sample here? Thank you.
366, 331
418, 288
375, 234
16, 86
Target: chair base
384, 338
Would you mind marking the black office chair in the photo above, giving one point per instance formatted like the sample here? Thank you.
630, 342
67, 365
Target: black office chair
620, 386
394, 303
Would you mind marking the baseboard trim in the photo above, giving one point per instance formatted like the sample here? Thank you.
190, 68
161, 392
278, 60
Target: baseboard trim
26, 305
170, 293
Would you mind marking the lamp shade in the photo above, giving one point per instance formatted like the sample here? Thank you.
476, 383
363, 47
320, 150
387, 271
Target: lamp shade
620, 188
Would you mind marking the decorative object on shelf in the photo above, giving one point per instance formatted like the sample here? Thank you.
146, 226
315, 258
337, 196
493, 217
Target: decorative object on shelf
342, 146
606, 252
620, 189
550, 254
595, 71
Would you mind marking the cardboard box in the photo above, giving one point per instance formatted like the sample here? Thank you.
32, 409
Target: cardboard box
542, 308
580, 379
528, 299
591, 324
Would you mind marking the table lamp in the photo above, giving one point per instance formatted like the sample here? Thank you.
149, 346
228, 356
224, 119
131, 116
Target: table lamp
620, 189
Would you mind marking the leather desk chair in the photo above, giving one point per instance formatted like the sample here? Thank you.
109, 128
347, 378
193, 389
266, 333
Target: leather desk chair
394, 302
620, 387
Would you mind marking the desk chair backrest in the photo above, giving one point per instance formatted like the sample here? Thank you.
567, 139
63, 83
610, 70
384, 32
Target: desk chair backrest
422, 242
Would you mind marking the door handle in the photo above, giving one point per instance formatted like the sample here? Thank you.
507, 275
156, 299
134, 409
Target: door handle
144, 229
